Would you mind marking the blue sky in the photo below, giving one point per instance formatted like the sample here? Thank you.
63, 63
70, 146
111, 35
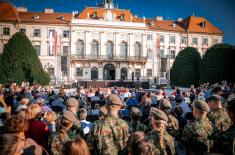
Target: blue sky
220, 12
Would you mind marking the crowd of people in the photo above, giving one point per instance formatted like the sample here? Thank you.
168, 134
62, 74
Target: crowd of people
117, 121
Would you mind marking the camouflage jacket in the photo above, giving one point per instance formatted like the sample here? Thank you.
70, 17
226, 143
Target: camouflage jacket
225, 142
110, 135
137, 126
173, 125
56, 143
220, 118
196, 136
168, 148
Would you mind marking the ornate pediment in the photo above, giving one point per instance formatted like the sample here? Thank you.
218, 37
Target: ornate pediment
109, 16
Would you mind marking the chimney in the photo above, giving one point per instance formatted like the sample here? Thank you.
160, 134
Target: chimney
159, 18
180, 19
22, 9
48, 10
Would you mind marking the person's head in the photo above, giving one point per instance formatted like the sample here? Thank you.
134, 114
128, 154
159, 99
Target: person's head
138, 144
214, 102
231, 109
77, 146
11, 144
50, 116
24, 101
40, 101
62, 92
192, 86
135, 114
200, 109
218, 90
82, 114
34, 111
17, 124
178, 110
113, 104
72, 105
165, 106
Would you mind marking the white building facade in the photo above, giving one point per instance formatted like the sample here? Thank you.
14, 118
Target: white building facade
106, 43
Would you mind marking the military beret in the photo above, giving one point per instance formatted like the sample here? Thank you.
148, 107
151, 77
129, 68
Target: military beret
201, 105
114, 100
158, 114
164, 104
103, 111
136, 112
72, 102
70, 116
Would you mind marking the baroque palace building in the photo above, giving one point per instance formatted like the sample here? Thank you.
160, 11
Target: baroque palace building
105, 42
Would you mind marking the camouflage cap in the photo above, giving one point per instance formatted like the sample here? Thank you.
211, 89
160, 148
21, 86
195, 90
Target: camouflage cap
114, 100
201, 105
70, 116
158, 114
163, 103
72, 102
103, 111
136, 112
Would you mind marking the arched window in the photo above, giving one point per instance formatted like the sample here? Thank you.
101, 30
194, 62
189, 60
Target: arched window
137, 50
94, 48
123, 50
80, 48
109, 49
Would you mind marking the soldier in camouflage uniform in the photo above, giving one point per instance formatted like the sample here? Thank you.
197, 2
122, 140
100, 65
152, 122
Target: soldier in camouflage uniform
225, 141
135, 124
218, 115
163, 142
196, 135
112, 133
173, 124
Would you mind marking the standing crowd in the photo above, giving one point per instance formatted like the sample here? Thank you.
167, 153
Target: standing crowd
117, 121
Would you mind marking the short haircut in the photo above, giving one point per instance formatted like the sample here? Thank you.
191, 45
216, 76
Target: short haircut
50, 116
82, 114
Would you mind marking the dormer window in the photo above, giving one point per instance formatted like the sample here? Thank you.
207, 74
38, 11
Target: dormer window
203, 24
94, 16
61, 17
122, 17
152, 23
174, 25
35, 16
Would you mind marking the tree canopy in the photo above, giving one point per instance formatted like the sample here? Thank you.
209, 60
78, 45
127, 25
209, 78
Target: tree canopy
19, 62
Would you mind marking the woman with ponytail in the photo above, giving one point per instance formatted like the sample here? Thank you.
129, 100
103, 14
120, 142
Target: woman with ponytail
162, 141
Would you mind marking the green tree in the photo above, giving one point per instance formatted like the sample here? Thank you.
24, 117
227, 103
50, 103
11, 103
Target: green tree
185, 69
218, 64
20, 62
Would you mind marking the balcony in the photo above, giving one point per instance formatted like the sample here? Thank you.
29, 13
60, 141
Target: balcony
108, 58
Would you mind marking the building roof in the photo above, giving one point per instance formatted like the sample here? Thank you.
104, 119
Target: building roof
195, 24
8, 12
46, 18
100, 13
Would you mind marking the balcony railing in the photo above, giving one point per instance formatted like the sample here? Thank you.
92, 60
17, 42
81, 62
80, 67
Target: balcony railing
107, 57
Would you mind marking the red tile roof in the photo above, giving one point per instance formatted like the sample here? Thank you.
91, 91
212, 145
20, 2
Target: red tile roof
46, 18
8, 12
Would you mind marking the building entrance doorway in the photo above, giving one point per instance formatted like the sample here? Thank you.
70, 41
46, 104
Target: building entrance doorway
109, 72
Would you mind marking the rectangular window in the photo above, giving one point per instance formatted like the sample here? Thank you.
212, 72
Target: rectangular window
137, 72
205, 41
51, 33
194, 41
37, 33
51, 71
65, 50
38, 49
183, 40
6, 31
172, 39
215, 41
172, 56
66, 33
22, 30
149, 73
161, 38
50, 49
162, 53
149, 37
79, 72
